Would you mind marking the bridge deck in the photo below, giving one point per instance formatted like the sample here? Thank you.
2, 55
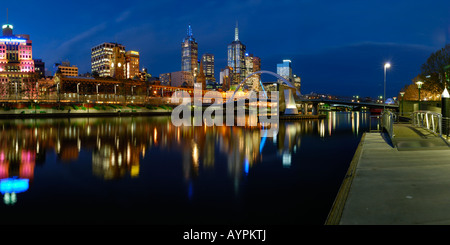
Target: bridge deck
388, 186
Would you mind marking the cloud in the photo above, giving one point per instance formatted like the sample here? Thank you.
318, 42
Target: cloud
66, 46
123, 16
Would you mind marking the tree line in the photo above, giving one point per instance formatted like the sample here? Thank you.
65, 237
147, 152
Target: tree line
435, 75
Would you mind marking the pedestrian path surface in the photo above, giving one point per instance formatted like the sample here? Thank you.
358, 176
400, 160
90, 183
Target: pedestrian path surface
410, 138
387, 186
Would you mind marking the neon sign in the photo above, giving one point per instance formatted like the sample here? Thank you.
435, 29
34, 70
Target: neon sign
12, 40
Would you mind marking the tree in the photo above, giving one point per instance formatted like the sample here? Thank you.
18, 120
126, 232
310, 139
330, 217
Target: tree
412, 91
435, 69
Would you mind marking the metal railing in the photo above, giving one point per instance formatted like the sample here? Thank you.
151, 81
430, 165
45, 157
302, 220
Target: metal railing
431, 121
388, 119
375, 118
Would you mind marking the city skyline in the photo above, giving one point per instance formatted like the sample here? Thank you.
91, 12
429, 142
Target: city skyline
351, 44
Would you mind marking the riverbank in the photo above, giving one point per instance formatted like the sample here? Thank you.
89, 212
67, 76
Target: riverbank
80, 110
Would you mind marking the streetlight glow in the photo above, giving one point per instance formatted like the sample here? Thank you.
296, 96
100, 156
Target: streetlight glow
419, 86
386, 65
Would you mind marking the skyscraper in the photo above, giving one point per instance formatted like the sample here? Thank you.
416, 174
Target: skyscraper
236, 57
285, 70
189, 53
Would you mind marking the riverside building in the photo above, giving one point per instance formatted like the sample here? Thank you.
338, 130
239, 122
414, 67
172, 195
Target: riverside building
17, 72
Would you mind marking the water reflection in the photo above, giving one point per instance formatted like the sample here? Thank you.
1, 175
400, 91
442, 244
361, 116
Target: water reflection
119, 146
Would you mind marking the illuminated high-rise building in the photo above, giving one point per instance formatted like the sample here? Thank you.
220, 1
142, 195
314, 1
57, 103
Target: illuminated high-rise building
208, 67
252, 64
132, 64
17, 71
236, 57
102, 57
189, 53
285, 70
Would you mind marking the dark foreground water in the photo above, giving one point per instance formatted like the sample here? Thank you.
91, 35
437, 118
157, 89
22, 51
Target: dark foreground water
145, 171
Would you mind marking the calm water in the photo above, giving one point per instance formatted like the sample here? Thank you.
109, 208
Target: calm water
143, 170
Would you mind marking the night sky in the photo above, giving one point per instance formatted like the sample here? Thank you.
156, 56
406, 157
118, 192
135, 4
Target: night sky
336, 47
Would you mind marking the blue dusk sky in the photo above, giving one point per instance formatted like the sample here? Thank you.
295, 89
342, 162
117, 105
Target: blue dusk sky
336, 47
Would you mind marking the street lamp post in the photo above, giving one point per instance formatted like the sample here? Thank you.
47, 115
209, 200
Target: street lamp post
387, 65
97, 91
78, 92
115, 92
402, 94
59, 101
16, 92
419, 86
132, 93
37, 90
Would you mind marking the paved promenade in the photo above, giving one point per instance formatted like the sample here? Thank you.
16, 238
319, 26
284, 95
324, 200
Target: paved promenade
386, 185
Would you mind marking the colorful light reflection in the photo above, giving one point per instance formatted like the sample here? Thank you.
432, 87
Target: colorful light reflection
13, 185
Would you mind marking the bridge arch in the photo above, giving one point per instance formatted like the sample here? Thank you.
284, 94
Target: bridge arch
266, 72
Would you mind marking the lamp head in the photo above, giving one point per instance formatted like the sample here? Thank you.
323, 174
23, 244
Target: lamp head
419, 84
387, 65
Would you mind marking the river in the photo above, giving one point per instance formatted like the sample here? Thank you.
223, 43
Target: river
145, 171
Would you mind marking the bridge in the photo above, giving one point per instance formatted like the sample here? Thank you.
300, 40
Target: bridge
347, 103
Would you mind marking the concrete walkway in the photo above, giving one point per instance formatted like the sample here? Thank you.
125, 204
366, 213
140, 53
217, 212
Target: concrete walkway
410, 138
388, 186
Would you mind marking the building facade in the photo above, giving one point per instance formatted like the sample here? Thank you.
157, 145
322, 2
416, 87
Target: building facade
297, 82
165, 79
66, 69
17, 70
226, 76
236, 58
285, 70
252, 64
208, 67
39, 67
103, 57
132, 64
181, 79
189, 53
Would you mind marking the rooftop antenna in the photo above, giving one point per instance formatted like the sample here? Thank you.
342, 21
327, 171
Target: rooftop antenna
190, 30
6, 15
236, 32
